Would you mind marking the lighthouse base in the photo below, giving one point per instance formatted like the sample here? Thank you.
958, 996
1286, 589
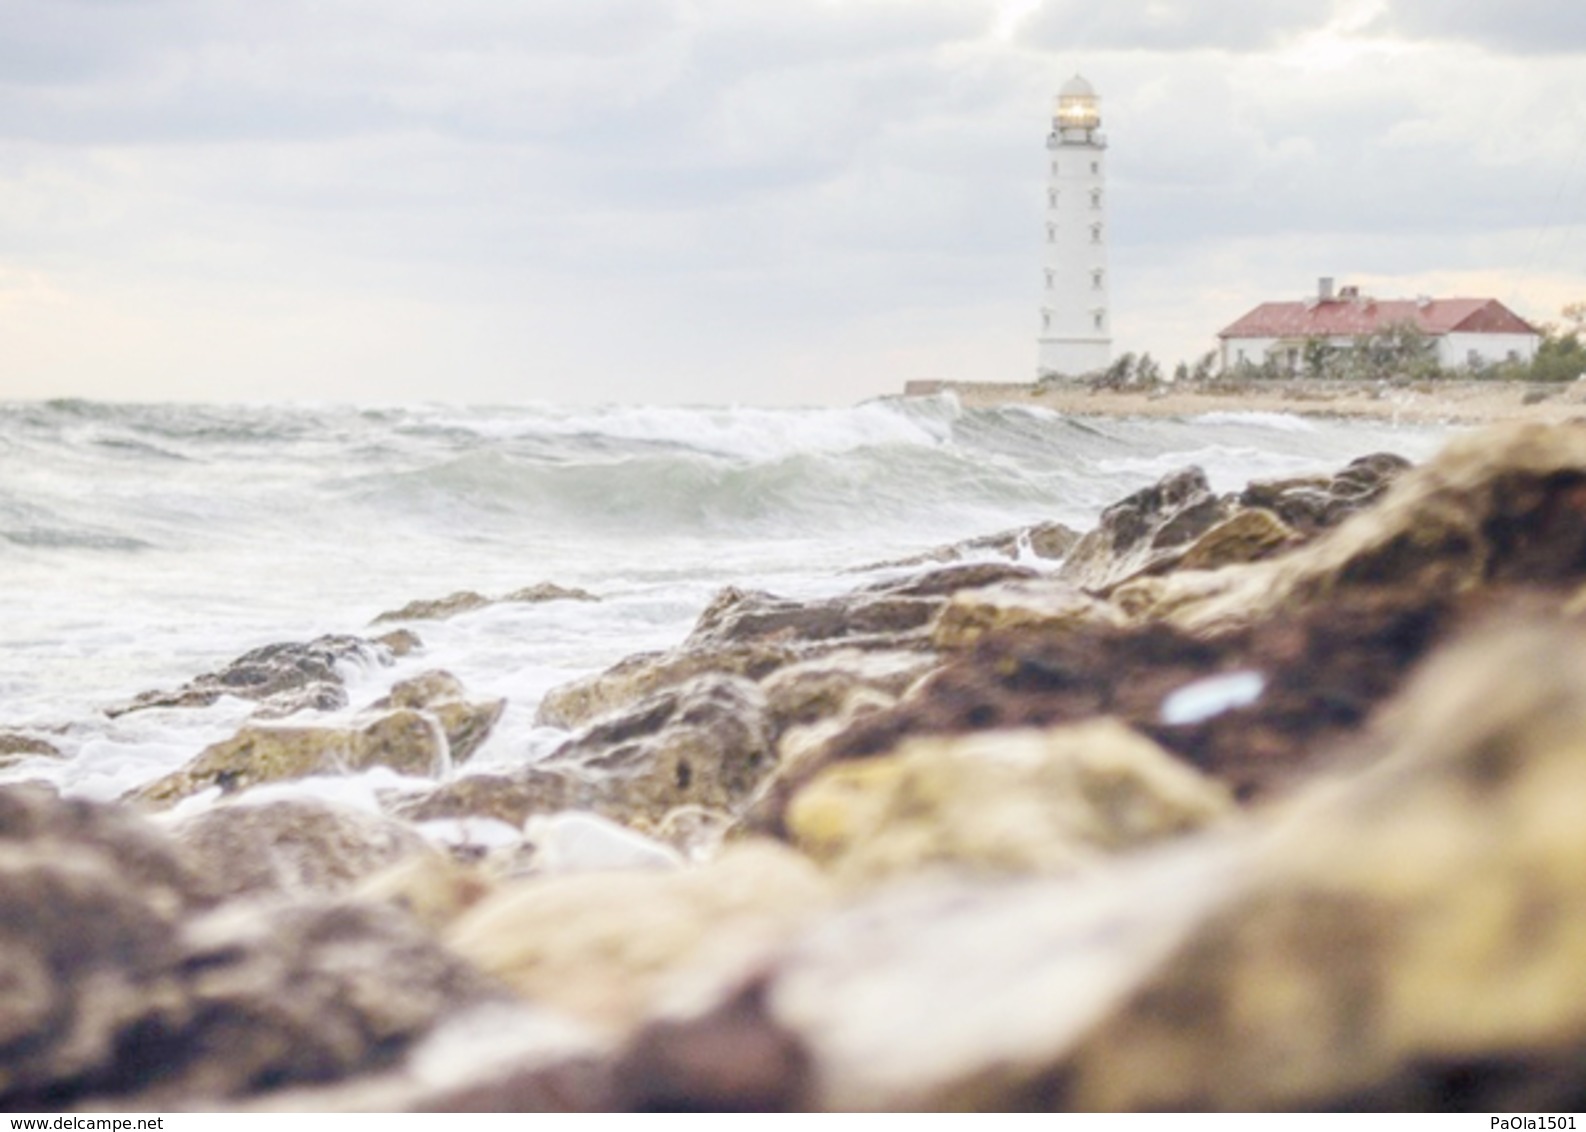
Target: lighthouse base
1073, 357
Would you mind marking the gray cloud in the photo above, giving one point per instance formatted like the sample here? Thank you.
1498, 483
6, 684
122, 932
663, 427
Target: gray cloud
1542, 27
1172, 25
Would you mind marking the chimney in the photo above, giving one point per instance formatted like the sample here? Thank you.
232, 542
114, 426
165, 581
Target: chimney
1351, 293
1324, 289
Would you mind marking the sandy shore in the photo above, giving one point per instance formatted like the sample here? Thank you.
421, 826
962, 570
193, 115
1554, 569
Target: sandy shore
1448, 402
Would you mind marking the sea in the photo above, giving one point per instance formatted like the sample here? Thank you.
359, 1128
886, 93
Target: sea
144, 544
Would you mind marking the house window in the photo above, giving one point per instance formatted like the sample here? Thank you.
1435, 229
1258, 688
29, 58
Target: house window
1514, 355
1473, 358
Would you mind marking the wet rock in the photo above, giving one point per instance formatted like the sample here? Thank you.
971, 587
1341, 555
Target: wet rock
1311, 504
294, 847
1408, 937
737, 616
407, 741
401, 642
605, 947
16, 747
1001, 802
435, 609
119, 983
706, 743
550, 591
836, 683
282, 678
1501, 507
1051, 541
949, 580
510, 797
580, 702
1145, 532
1046, 603
466, 601
1322, 672
466, 723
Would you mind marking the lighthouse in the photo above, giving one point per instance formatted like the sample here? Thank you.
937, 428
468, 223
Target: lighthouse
1076, 328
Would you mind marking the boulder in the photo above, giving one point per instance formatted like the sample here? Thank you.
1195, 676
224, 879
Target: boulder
1311, 504
737, 616
1045, 603
466, 601
605, 947
1049, 540
282, 678
123, 980
465, 723
837, 683
582, 701
16, 747
294, 847
706, 743
1145, 532
1410, 936
509, 796
1001, 802
407, 741
1501, 507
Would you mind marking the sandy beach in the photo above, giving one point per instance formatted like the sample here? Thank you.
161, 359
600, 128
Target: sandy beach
1459, 402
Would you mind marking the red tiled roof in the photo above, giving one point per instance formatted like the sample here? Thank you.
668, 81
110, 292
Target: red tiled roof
1349, 317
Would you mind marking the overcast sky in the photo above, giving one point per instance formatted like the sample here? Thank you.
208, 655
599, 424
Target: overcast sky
761, 201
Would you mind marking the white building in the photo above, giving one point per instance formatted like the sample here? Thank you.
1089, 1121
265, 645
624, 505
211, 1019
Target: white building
1466, 332
1076, 329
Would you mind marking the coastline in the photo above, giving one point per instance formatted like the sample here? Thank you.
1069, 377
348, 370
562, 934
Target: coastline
1444, 402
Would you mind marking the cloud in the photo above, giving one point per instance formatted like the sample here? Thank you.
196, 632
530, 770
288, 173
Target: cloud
1524, 27
1171, 25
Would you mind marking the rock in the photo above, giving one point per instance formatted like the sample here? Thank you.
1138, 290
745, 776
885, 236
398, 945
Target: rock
15, 747
643, 674
605, 947
407, 741
1323, 670
120, 984
834, 684
550, 591
466, 724
948, 994
1408, 937
1145, 532
1001, 802
433, 888
1045, 603
737, 616
706, 743
1501, 507
1040, 540
949, 580
401, 642
294, 847
1311, 504
466, 601
435, 609
1245, 536
509, 797
282, 678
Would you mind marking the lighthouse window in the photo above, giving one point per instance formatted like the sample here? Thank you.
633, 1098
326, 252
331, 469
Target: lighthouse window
1095, 233
1046, 321
1054, 168
1051, 198
1101, 320
1050, 276
1095, 167
1095, 198
1051, 233
1095, 280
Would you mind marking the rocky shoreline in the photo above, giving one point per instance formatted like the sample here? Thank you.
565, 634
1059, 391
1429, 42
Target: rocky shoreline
1263, 800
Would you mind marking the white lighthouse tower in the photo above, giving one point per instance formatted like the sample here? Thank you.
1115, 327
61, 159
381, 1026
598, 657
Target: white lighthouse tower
1076, 327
